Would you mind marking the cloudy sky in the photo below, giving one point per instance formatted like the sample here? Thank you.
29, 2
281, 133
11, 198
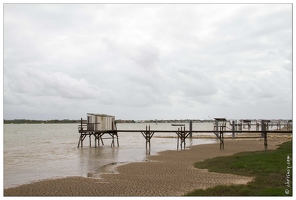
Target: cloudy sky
147, 61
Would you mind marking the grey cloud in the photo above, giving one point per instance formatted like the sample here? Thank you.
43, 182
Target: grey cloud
156, 57
142, 87
196, 83
57, 84
244, 32
253, 87
39, 84
145, 56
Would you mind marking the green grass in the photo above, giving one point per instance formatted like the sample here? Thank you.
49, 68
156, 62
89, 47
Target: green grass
268, 167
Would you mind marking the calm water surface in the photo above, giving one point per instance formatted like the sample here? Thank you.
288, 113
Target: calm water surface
34, 152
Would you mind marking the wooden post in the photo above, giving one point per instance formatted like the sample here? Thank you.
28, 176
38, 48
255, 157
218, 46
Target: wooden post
221, 136
265, 140
98, 139
262, 128
221, 141
79, 141
101, 135
112, 143
190, 128
113, 134
264, 133
233, 128
184, 138
217, 126
146, 137
241, 125
178, 139
181, 141
90, 140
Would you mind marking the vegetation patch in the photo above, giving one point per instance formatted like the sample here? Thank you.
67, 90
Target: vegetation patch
272, 171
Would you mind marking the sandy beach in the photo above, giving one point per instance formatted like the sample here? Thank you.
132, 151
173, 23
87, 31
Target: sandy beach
171, 173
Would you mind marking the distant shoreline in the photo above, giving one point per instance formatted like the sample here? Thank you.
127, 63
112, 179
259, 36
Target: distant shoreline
53, 121
27, 121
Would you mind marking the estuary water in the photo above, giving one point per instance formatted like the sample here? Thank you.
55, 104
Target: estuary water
32, 152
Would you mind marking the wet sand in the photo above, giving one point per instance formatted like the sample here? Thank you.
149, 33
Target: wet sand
171, 173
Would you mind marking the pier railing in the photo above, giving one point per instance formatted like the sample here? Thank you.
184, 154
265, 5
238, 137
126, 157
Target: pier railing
85, 127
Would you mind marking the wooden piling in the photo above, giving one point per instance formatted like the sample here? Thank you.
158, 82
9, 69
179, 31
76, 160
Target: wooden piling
233, 128
190, 128
182, 135
147, 134
82, 137
221, 141
178, 140
264, 124
117, 140
90, 140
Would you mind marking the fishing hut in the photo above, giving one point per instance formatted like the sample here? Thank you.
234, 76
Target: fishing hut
219, 128
98, 125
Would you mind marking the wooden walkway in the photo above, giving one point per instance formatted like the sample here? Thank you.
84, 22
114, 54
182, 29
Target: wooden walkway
181, 133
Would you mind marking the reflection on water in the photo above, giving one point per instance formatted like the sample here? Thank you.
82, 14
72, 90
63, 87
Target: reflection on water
40, 151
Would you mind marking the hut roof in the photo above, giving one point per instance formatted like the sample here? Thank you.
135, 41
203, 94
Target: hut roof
220, 119
101, 115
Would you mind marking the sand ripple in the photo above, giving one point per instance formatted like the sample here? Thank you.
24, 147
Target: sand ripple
170, 174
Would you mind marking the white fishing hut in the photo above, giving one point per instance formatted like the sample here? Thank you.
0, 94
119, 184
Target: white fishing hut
100, 122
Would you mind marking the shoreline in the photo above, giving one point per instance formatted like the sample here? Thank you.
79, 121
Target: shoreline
109, 168
169, 173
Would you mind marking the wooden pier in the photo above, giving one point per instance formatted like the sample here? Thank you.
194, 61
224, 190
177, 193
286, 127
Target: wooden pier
86, 129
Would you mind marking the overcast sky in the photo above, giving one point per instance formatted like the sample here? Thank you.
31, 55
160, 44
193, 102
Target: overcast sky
147, 61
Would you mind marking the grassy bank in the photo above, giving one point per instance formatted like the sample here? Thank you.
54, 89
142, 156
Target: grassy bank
272, 171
